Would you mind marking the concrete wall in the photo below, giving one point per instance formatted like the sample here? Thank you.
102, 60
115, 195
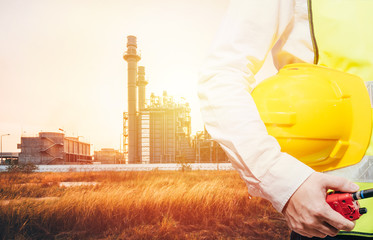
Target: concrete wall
130, 167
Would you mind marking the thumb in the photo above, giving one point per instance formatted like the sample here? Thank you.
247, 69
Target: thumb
339, 184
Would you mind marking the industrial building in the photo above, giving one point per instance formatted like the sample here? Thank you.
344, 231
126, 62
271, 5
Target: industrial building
108, 156
208, 150
165, 131
158, 130
54, 148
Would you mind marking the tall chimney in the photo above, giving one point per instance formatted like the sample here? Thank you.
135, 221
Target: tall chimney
132, 58
141, 83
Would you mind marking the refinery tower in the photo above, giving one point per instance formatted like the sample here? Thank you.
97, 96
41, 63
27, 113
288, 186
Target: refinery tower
155, 130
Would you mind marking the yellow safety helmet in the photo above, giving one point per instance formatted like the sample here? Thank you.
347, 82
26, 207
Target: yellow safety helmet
318, 115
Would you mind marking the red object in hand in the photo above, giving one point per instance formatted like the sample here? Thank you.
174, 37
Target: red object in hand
344, 204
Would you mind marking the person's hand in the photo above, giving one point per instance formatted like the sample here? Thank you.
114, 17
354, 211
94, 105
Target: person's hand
307, 211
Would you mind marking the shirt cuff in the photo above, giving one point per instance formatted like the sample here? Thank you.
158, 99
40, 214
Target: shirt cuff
283, 179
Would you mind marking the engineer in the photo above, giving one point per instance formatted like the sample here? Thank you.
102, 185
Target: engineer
257, 35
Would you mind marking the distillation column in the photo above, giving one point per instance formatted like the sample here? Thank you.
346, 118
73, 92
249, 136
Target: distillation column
132, 58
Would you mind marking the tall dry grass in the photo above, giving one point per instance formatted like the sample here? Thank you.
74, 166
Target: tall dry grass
135, 205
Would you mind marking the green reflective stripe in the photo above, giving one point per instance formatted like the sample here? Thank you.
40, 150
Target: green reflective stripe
364, 225
358, 234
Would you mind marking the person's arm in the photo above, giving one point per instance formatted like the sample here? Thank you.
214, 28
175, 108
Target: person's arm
250, 30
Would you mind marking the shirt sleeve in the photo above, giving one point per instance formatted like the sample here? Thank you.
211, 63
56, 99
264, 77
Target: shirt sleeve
250, 30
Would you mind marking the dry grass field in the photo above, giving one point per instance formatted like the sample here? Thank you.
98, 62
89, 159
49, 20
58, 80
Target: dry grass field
134, 205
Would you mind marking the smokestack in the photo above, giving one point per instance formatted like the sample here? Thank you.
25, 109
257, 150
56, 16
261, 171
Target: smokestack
132, 58
141, 83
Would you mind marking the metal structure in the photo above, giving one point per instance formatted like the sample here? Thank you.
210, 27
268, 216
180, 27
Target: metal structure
169, 130
158, 130
207, 150
53, 148
163, 131
142, 120
125, 136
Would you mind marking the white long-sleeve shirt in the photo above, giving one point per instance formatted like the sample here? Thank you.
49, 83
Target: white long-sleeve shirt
253, 32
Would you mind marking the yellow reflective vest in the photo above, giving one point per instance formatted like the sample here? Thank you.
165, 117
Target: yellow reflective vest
342, 35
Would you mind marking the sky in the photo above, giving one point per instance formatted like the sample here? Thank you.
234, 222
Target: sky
61, 62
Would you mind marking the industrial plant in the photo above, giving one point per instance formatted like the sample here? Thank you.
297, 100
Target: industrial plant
159, 130
155, 130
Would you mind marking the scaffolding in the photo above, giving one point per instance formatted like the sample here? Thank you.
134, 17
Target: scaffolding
144, 139
164, 129
125, 136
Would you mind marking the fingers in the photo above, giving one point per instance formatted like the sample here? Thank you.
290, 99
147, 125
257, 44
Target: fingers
315, 228
332, 217
337, 221
339, 184
307, 212
328, 229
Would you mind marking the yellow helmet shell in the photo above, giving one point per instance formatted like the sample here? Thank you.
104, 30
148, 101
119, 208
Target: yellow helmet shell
318, 115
